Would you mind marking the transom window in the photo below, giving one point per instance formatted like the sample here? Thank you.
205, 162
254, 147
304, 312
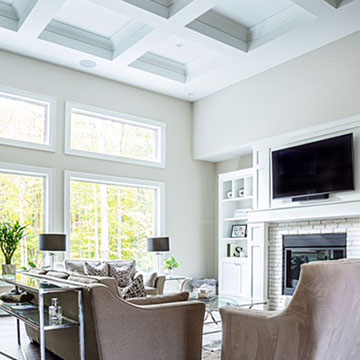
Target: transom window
108, 135
26, 119
111, 218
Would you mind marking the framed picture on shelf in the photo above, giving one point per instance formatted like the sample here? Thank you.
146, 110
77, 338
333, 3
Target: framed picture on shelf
238, 231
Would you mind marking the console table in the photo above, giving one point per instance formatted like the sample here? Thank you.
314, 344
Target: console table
37, 317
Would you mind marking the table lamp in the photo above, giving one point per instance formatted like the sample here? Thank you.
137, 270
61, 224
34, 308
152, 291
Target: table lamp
52, 243
158, 245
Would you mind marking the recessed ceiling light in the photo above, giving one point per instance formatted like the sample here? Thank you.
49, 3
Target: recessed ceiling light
179, 45
88, 63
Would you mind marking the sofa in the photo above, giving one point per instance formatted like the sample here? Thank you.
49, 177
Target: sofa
167, 325
154, 284
321, 322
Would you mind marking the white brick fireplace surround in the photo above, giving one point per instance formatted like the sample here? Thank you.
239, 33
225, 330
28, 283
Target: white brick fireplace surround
351, 226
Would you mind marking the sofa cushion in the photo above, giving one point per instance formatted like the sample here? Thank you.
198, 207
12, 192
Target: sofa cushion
57, 274
151, 290
160, 299
122, 274
38, 271
96, 270
83, 279
135, 289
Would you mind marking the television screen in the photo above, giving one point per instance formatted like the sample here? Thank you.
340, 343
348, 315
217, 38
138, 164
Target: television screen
319, 167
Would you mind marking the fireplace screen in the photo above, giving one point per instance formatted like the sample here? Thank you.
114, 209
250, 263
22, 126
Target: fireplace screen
302, 249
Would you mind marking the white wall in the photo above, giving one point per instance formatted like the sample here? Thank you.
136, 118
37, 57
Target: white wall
318, 87
189, 184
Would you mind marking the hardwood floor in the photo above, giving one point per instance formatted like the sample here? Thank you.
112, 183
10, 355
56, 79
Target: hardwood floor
9, 345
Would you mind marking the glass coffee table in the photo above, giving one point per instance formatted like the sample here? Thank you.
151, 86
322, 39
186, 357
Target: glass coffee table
215, 302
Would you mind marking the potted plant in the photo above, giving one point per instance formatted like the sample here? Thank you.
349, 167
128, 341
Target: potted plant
171, 264
10, 237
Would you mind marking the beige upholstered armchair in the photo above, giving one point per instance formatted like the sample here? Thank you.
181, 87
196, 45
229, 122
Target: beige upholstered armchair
322, 321
171, 331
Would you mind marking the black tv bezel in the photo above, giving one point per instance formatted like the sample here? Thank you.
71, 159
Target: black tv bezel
297, 195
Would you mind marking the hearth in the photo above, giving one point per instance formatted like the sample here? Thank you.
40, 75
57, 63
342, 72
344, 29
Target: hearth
300, 249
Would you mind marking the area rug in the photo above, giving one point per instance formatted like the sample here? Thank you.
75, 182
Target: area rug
212, 339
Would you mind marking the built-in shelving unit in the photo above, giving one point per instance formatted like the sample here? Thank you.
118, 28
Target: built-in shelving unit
236, 199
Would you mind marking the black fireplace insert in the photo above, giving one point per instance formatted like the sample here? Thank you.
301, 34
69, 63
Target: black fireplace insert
302, 249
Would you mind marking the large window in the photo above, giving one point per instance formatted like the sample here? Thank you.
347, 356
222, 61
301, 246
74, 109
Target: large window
26, 119
108, 135
111, 218
24, 196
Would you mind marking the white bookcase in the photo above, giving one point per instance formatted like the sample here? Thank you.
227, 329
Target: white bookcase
236, 199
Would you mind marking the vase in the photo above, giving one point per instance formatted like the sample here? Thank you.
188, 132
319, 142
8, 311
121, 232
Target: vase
8, 270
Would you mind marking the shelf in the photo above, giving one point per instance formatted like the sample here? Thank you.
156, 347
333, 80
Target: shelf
238, 199
239, 260
236, 218
31, 317
234, 238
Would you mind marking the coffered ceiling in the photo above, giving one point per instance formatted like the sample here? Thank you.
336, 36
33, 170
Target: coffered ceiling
184, 48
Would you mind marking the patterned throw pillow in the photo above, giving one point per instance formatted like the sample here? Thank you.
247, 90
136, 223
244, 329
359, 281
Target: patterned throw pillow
121, 274
96, 270
135, 289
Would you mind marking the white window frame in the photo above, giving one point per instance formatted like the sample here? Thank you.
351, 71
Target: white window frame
49, 187
159, 127
158, 186
27, 97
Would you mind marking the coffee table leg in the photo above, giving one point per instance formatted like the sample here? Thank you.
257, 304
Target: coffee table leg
212, 317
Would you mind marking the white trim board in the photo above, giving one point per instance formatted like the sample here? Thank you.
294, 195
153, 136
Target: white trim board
157, 126
28, 96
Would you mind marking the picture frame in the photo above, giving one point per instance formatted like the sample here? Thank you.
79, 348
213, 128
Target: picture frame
238, 231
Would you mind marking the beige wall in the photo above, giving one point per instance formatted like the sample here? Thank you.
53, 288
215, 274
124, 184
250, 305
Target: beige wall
318, 87
189, 183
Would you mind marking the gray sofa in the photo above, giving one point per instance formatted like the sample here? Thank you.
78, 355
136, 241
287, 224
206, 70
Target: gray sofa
154, 284
162, 327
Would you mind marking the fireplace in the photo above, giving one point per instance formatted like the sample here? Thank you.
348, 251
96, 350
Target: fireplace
301, 249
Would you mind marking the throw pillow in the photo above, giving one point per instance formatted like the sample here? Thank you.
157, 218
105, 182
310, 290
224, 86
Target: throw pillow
121, 274
96, 270
135, 289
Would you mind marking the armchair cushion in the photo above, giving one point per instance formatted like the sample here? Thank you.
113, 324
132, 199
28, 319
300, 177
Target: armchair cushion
135, 289
161, 299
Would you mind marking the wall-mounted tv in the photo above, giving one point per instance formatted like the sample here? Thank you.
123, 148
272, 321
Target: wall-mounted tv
315, 168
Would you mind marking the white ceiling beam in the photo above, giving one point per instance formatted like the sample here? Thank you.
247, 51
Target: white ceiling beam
182, 12
38, 16
125, 54
315, 7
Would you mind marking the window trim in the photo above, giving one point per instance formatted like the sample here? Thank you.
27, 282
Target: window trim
160, 128
158, 186
26, 96
49, 187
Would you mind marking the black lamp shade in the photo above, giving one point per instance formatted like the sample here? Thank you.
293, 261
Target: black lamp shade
158, 244
52, 242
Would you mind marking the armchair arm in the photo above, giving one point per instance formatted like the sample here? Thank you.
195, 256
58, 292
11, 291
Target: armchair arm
153, 332
159, 284
257, 334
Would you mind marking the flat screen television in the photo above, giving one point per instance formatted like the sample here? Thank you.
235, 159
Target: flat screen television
315, 168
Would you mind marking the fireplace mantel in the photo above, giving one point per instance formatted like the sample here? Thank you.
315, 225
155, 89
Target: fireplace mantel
307, 211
